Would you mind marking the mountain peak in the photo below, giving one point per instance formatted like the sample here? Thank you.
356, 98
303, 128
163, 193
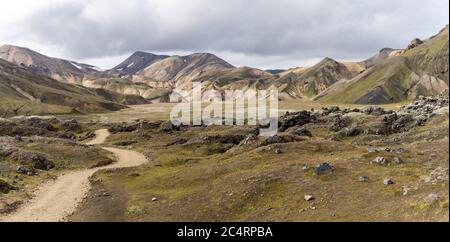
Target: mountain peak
327, 61
414, 43
208, 58
137, 61
143, 53
8, 48
386, 50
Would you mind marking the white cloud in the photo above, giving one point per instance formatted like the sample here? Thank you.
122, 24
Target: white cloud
260, 33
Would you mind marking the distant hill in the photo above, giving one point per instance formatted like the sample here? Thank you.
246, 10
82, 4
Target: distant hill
308, 82
181, 70
35, 93
275, 71
136, 62
58, 69
420, 69
391, 75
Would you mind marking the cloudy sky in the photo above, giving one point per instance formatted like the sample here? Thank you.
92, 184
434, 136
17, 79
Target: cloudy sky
258, 33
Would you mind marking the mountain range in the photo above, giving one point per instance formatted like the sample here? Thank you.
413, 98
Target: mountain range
392, 75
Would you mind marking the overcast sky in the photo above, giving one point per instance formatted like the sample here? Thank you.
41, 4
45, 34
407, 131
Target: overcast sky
257, 33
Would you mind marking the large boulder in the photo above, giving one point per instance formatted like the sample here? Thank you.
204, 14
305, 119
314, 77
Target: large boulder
407, 122
30, 171
302, 131
376, 111
37, 123
381, 125
35, 159
281, 138
168, 127
353, 130
338, 122
329, 110
294, 119
123, 128
86, 136
71, 125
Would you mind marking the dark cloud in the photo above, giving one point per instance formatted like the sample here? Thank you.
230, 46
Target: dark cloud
295, 30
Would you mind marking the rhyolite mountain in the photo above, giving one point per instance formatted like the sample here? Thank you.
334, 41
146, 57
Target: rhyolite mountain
136, 62
35, 93
421, 69
392, 75
308, 82
58, 69
179, 71
68, 71
380, 57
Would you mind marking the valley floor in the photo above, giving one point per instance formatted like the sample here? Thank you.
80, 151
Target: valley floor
229, 174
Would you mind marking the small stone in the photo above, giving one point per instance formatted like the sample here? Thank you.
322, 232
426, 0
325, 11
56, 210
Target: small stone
380, 160
388, 181
432, 198
309, 198
21, 169
324, 167
305, 167
277, 151
363, 178
18, 138
397, 160
134, 174
399, 151
154, 199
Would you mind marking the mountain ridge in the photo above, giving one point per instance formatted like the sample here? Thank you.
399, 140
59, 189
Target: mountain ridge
420, 70
21, 88
391, 75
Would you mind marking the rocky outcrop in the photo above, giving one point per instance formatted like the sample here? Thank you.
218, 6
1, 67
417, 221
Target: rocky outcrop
380, 122
34, 159
42, 127
414, 43
294, 119
425, 106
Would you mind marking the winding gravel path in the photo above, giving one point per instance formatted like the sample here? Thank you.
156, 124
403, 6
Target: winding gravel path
54, 200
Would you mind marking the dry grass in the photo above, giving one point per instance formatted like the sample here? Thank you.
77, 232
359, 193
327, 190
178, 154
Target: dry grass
194, 182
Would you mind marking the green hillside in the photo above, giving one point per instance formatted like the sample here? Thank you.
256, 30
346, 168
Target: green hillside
419, 71
36, 94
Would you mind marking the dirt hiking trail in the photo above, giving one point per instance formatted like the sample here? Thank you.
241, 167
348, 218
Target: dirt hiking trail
54, 200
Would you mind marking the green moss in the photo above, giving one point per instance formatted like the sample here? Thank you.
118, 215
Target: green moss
135, 210
5, 187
